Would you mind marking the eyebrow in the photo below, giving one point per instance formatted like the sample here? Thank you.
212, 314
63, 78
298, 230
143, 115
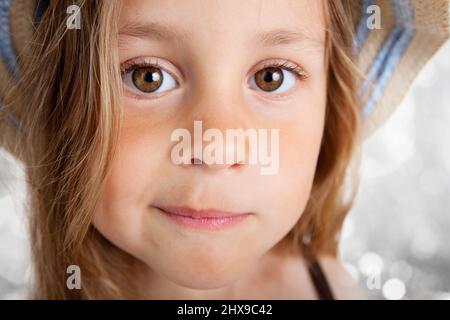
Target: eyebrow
152, 30
281, 37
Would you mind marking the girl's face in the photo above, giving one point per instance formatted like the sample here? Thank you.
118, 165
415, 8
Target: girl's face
212, 61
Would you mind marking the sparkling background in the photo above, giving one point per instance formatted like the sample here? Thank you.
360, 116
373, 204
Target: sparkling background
395, 241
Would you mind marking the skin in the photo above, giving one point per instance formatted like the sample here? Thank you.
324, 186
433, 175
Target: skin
212, 63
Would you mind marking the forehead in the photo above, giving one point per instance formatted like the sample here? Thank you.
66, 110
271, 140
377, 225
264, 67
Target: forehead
263, 22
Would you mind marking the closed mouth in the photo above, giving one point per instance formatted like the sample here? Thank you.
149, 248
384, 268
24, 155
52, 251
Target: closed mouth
209, 219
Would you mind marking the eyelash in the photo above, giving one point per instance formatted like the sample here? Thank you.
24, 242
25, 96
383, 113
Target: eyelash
131, 65
298, 70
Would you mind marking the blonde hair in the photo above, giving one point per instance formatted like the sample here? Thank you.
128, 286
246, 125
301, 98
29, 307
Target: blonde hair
67, 103
318, 230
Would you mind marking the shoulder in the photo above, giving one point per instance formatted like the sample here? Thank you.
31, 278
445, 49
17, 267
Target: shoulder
342, 284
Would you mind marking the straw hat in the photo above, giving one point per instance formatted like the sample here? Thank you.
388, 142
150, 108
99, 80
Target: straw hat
391, 57
391, 50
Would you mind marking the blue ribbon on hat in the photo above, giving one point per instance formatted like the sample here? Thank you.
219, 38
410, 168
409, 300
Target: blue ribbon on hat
390, 54
7, 52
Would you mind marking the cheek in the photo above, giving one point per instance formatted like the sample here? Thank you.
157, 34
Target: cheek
139, 163
287, 193
128, 188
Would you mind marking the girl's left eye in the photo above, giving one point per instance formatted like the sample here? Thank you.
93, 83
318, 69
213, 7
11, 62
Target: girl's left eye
148, 79
277, 77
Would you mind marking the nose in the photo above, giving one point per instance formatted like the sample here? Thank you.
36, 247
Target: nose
218, 123
217, 116
222, 154
218, 145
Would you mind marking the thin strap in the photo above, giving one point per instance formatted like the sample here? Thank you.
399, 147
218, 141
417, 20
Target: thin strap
319, 280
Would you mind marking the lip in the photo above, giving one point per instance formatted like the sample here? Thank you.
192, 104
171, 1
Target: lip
207, 219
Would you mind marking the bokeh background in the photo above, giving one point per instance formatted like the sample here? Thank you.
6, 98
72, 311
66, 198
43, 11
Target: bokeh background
396, 239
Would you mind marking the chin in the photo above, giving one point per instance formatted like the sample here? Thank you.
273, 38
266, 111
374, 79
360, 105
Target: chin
206, 276
205, 283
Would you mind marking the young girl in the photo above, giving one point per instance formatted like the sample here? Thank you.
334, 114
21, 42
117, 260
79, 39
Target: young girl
91, 101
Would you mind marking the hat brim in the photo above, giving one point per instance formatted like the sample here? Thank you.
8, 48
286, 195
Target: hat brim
17, 26
391, 57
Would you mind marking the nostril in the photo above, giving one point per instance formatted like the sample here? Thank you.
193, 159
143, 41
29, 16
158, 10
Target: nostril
196, 161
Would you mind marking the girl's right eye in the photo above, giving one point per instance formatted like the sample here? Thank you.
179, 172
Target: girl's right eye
148, 79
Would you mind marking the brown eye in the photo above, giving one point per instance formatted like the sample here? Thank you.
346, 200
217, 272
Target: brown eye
147, 79
269, 79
